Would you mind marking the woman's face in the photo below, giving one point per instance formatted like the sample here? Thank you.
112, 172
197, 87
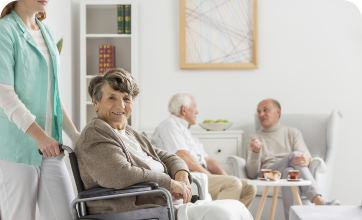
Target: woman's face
115, 107
34, 5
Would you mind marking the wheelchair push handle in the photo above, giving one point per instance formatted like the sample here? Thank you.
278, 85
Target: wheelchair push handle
60, 148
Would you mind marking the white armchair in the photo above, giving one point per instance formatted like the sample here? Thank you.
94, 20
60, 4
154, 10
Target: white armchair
204, 182
321, 134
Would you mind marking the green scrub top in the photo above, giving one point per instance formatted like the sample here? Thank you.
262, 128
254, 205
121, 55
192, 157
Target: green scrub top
23, 66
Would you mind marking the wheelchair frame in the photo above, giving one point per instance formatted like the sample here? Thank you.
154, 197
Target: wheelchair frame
134, 190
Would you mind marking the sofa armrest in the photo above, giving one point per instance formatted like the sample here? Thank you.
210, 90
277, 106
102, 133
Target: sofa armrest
317, 165
100, 191
204, 184
237, 165
199, 188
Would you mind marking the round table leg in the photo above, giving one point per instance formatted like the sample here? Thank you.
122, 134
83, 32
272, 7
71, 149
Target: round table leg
274, 202
262, 202
296, 195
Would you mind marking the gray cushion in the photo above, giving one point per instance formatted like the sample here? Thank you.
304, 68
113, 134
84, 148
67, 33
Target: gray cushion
325, 212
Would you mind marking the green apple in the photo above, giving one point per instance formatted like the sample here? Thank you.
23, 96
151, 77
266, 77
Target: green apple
219, 121
226, 121
208, 121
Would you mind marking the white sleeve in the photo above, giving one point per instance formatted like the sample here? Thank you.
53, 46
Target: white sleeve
204, 152
14, 108
172, 138
201, 146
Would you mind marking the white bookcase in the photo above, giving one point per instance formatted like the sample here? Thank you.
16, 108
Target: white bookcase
98, 26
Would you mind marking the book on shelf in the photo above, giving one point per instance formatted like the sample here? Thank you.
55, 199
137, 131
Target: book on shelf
127, 14
106, 58
101, 59
109, 61
120, 18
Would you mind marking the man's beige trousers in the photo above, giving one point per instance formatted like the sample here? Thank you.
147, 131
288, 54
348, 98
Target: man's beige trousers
231, 187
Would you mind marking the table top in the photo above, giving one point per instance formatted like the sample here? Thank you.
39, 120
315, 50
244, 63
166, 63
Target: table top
281, 182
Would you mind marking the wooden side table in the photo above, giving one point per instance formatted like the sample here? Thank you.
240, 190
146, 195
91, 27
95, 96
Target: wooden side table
276, 184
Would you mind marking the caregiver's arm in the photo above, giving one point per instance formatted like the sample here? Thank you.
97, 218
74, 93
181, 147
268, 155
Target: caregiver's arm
68, 126
17, 113
14, 109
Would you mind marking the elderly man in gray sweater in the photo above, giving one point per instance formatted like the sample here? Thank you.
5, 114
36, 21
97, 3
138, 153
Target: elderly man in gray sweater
278, 147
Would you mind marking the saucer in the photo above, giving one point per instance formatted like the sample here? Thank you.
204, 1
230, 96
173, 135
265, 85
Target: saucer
262, 179
294, 180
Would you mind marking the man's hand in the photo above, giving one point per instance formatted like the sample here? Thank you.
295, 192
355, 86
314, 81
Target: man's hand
180, 191
301, 160
256, 145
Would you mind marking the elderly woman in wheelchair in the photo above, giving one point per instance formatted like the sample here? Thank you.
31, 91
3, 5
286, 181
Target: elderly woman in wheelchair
111, 154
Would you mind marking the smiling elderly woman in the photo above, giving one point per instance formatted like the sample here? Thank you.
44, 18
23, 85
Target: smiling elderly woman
113, 155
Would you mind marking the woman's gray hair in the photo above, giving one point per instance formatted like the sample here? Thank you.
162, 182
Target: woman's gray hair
118, 79
179, 100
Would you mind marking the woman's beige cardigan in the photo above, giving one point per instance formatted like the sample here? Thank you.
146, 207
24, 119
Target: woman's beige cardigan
104, 161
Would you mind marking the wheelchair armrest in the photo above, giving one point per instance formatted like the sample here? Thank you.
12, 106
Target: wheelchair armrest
317, 165
100, 191
237, 165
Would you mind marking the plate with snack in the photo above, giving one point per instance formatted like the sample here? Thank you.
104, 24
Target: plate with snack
273, 176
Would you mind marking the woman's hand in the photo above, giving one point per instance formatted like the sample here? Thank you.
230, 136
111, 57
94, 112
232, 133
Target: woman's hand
181, 191
75, 137
183, 177
49, 147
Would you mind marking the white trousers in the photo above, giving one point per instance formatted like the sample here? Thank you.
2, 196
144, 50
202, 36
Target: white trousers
22, 186
214, 210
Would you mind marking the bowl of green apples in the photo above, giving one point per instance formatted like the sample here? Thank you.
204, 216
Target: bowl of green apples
218, 125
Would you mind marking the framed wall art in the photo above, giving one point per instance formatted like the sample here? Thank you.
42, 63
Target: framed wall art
218, 34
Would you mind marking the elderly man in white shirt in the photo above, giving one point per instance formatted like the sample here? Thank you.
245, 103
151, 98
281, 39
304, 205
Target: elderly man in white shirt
173, 135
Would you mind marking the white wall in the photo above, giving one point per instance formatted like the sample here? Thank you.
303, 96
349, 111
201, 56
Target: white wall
304, 67
309, 65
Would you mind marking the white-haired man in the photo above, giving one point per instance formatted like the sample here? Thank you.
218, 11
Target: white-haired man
173, 135
278, 147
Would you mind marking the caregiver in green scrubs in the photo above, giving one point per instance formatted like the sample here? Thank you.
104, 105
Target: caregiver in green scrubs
32, 117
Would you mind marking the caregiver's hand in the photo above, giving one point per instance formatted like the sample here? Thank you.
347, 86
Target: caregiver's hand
49, 147
180, 191
75, 137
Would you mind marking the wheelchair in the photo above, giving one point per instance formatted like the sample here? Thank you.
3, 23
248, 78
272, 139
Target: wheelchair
158, 213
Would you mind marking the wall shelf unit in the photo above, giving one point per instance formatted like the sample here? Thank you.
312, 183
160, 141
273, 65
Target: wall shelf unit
98, 26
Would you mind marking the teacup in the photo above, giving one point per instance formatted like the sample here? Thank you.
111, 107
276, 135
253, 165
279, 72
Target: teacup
264, 171
293, 174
